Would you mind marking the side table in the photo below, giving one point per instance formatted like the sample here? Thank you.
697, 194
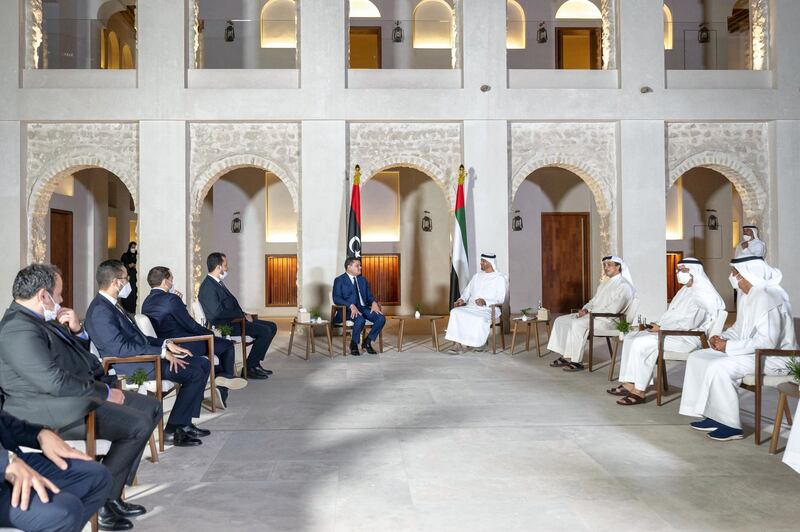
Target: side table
786, 390
528, 323
434, 331
309, 327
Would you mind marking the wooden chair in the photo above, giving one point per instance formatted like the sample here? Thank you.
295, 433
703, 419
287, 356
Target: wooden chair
243, 343
756, 381
337, 310
497, 321
608, 334
678, 356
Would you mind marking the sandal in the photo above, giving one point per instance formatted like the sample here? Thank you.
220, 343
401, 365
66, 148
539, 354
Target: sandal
574, 366
620, 391
631, 400
560, 362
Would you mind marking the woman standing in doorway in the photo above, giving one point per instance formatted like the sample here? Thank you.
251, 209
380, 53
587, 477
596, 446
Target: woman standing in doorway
129, 260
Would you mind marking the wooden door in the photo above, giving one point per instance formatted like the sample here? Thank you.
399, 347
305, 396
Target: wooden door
61, 250
365, 47
281, 281
672, 280
578, 48
565, 260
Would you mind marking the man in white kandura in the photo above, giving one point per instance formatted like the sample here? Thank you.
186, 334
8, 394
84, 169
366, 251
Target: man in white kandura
693, 308
750, 245
471, 315
763, 321
570, 331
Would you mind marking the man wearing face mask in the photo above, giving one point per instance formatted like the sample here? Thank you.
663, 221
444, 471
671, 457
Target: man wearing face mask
49, 377
222, 308
763, 321
170, 319
115, 334
693, 308
750, 245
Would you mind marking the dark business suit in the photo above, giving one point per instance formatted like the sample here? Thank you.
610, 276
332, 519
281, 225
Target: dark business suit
84, 486
170, 319
48, 376
115, 334
346, 292
221, 308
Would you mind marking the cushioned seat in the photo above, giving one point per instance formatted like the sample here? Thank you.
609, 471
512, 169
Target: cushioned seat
676, 356
769, 380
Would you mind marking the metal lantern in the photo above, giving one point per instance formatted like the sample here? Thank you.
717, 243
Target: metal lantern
397, 32
236, 222
230, 33
703, 36
516, 222
541, 34
427, 223
713, 221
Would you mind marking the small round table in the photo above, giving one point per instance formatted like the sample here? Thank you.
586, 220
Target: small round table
434, 331
309, 327
786, 390
527, 323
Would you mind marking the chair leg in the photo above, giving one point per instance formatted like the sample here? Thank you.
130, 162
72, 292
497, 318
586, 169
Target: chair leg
788, 412
502, 337
591, 353
613, 361
380, 340
776, 430
153, 450
94, 523
494, 339
161, 435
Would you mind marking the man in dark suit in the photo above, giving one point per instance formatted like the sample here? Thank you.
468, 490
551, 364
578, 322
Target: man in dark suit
59, 489
222, 308
352, 290
115, 334
49, 377
170, 319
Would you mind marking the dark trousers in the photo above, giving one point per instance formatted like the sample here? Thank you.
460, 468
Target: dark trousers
84, 489
193, 379
128, 426
378, 321
224, 349
262, 333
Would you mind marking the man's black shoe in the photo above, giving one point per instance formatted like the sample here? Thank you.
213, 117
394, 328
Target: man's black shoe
354, 349
265, 370
368, 348
179, 438
261, 371
108, 520
195, 431
252, 373
126, 509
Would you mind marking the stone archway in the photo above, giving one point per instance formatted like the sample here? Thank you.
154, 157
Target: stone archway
437, 175
56, 150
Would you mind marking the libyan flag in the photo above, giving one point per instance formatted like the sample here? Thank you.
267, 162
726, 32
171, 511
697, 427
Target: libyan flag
354, 220
459, 268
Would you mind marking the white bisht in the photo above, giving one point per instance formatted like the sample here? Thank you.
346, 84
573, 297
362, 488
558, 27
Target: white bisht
614, 295
693, 308
469, 325
763, 321
755, 247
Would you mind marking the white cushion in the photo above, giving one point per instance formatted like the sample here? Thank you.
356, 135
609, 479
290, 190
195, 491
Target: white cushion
150, 386
237, 339
769, 380
676, 356
199, 314
102, 446
143, 322
606, 332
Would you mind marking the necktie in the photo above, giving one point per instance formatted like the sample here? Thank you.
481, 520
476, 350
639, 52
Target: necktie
127, 316
358, 292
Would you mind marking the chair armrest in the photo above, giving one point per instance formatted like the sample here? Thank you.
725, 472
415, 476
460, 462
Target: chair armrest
593, 315
663, 333
187, 339
109, 361
91, 434
762, 354
335, 309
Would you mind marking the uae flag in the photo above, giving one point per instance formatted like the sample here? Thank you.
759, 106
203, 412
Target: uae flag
354, 221
459, 268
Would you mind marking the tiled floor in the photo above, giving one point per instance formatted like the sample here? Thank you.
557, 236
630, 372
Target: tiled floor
428, 441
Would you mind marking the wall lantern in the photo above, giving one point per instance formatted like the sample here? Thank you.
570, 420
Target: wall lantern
236, 222
427, 223
230, 33
703, 35
516, 222
397, 32
541, 34
713, 221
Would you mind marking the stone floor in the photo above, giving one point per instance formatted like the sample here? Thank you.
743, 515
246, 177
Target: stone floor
420, 440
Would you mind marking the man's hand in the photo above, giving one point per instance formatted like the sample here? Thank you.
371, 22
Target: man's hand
459, 303
57, 450
582, 312
480, 302
22, 477
248, 317
175, 363
67, 316
744, 245
718, 344
354, 311
116, 396
376, 307
178, 350
654, 327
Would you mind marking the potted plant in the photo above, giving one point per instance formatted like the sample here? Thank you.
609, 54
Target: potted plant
315, 316
417, 311
623, 327
225, 331
138, 378
526, 313
794, 369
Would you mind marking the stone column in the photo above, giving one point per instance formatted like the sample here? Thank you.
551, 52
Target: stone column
323, 198
322, 44
760, 34
785, 192
642, 56
161, 46
608, 10
487, 189
163, 218
34, 35
642, 199
485, 47
11, 204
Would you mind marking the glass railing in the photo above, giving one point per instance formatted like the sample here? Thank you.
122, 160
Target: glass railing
85, 44
706, 46
244, 44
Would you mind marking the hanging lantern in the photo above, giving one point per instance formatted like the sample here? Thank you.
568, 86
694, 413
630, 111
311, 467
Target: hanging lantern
397, 32
427, 223
713, 221
230, 33
516, 222
703, 35
541, 34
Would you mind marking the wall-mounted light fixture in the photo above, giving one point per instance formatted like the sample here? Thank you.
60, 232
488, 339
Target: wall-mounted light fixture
230, 33
703, 35
397, 32
427, 223
713, 221
516, 222
541, 34
236, 222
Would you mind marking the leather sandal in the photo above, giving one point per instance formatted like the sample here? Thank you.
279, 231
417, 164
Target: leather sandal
632, 399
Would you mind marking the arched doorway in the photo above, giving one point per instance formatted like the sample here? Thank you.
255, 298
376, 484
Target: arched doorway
705, 215
406, 223
555, 241
87, 216
248, 213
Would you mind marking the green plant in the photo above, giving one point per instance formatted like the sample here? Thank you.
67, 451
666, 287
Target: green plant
138, 378
418, 308
526, 311
225, 330
623, 326
794, 368
314, 314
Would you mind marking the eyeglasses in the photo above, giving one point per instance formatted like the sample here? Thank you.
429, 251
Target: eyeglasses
126, 278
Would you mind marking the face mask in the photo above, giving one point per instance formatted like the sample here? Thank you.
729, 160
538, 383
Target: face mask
51, 314
734, 282
125, 292
172, 288
222, 275
747, 238
684, 277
